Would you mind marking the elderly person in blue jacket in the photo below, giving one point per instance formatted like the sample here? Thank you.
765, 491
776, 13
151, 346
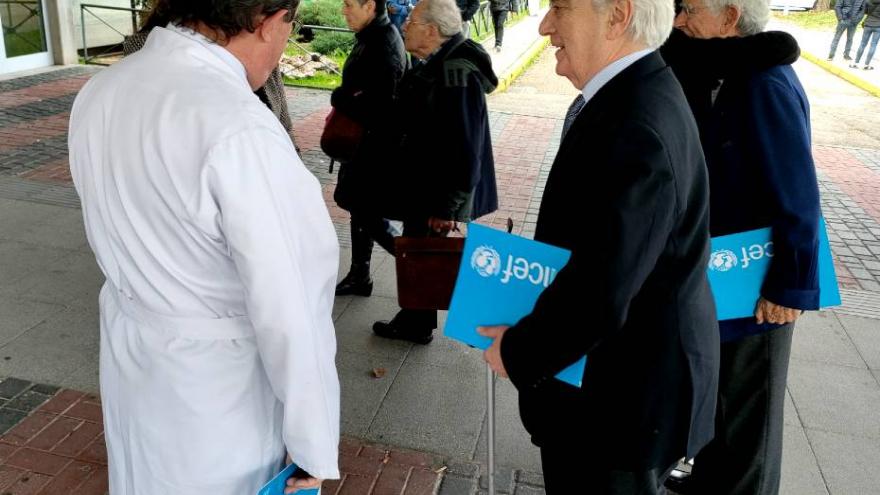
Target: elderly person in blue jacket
849, 13
756, 139
398, 11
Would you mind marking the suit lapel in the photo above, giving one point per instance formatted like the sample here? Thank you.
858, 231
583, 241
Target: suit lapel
601, 106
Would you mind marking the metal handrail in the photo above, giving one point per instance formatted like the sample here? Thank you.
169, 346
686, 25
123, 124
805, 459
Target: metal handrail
32, 12
87, 7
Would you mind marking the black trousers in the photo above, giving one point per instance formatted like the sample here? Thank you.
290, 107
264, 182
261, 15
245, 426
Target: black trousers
566, 472
365, 229
498, 19
745, 458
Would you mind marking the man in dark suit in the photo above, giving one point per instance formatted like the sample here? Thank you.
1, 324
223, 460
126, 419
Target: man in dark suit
628, 195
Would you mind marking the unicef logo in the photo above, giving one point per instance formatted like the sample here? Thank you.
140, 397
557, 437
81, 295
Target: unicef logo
486, 261
722, 260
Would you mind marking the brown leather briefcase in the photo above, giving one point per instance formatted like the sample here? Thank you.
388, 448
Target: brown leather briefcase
427, 268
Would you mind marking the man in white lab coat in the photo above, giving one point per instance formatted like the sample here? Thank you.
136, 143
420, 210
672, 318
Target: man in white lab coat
217, 343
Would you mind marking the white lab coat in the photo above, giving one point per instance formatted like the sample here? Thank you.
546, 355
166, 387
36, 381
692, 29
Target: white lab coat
217, 343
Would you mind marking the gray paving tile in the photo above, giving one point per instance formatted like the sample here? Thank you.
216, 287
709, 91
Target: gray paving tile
22, 259
849, 463
820, 337
11, 387
354, 328
790, 416
86, 379
73, 280
835, 398
513, 446
865, 334
800, 469
51, 351
362, 392
432, 408
18, 315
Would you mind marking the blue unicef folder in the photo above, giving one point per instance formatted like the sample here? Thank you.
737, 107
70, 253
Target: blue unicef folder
276, 485
499, 280
739, 263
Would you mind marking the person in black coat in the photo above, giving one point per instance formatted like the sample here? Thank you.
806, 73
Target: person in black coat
499, 9
369, 79
445, 170
468, 9
756, 138
628, 194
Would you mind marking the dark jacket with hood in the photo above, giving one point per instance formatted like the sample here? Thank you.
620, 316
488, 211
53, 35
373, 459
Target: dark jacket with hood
754, 121
443, 163
872, 14
369, 79
468, 8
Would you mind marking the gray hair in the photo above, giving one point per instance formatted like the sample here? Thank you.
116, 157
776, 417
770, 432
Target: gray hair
753, 14
444, 14
651, 21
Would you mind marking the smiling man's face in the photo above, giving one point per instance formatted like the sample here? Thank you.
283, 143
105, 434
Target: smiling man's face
579, 31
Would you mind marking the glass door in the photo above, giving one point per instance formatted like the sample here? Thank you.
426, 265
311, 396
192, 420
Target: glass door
24, 44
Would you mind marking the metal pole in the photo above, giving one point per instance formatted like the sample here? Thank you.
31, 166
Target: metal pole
490, 406
134, 22
82, 20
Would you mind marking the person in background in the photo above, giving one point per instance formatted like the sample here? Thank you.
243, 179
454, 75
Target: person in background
848, 13
870, 34
468, 9
756, 139
370, 77
271, 94
442, 146
398, 11
499, 9
217, 355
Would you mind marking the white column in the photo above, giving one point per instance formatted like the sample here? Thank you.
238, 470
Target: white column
62, 31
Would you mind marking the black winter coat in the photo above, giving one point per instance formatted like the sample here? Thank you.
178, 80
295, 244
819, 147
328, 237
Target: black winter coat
468, 8
701, 64
369, 79
443, 162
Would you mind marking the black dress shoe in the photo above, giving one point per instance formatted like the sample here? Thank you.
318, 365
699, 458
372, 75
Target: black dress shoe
392, 330
355, 284
679, 483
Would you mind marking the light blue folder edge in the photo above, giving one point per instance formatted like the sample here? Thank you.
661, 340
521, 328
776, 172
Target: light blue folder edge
276, 485
736, 283
482, 300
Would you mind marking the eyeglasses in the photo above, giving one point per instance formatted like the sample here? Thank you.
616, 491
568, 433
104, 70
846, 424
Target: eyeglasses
409, 20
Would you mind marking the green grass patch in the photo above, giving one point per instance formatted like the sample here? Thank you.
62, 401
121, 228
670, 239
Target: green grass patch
23, 43
321, 80
318, 81
824, 20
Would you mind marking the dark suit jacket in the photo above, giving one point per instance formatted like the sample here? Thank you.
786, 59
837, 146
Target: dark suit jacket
628, 195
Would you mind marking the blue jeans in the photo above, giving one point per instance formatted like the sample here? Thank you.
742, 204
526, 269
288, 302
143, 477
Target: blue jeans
850, 34
871, 34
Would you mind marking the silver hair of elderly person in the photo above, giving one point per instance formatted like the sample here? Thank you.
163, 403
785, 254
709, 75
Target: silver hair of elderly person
651, 22
444, 14
753, 17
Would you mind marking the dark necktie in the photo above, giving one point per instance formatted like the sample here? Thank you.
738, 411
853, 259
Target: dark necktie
572, 113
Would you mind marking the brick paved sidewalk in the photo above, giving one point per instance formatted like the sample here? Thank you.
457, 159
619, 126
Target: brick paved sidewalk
52, 442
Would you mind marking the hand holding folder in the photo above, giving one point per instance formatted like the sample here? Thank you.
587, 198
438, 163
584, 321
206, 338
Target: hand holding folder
288, 478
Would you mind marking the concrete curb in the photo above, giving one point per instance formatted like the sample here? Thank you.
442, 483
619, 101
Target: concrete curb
522, 63
842, 73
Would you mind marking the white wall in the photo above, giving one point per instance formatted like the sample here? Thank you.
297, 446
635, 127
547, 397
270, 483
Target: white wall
98, 34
